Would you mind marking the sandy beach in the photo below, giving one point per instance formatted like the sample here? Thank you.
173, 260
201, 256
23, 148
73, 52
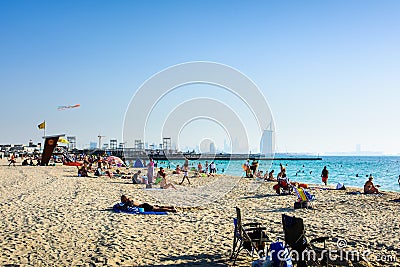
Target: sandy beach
51, 217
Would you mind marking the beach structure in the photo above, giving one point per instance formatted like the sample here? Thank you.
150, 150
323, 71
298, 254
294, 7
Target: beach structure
49, 144
267, 142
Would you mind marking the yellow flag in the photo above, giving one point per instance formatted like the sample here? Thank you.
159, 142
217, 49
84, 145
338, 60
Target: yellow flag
42, 125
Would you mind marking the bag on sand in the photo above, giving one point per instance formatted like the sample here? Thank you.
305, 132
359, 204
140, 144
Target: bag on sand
280, 255
340, 186
302, 205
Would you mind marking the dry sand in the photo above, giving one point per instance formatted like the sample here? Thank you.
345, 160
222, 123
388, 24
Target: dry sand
50, 217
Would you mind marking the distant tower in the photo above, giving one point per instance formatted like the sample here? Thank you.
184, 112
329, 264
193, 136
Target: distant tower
72, 142
100, 137
113, 143
212, 148
267, 143
167, 144
138, 145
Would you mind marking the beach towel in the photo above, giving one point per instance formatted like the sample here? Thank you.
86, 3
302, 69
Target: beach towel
135, 210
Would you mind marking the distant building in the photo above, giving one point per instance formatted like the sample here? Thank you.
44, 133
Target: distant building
71, 142
212, 148
113, 143
267, 143
93, 145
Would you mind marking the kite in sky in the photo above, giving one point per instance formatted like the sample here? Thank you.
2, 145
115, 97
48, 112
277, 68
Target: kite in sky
67, 107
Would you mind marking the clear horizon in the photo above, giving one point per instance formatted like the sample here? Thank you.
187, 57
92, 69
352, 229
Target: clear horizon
328, 70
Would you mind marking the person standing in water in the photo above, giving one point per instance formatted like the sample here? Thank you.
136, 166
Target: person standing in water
324, 175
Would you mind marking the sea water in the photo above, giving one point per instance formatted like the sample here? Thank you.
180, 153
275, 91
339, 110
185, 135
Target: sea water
351, 171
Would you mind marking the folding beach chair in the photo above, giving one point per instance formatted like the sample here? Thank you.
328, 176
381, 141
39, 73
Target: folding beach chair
249, 236
283, 187
295, 240
304, 199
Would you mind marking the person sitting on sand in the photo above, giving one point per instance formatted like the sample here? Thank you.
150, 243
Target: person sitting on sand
199, 167
177, 170
270, 176
12, 160
163, 183
370, 188
136, 179
82, 171
146, 206
109, 174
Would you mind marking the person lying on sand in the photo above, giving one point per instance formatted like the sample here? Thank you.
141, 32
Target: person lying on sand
370, 188
146, 206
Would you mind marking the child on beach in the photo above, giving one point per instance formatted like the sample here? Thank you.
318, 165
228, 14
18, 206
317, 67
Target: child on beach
185, 174
12, 160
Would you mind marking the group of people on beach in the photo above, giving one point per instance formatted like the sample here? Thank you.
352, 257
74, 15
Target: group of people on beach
283, 181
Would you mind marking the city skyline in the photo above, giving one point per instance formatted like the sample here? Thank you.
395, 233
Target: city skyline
225, 148
329, 71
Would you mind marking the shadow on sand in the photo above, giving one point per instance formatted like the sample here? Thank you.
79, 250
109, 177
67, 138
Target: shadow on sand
265, 196
194, 260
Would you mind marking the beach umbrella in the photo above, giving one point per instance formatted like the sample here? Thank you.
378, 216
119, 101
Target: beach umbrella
62, 140
114, 160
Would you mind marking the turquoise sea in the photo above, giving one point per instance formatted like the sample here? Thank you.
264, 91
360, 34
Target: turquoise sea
343, 169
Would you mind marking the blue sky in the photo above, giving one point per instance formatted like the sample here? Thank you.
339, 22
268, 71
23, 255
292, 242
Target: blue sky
328, 69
